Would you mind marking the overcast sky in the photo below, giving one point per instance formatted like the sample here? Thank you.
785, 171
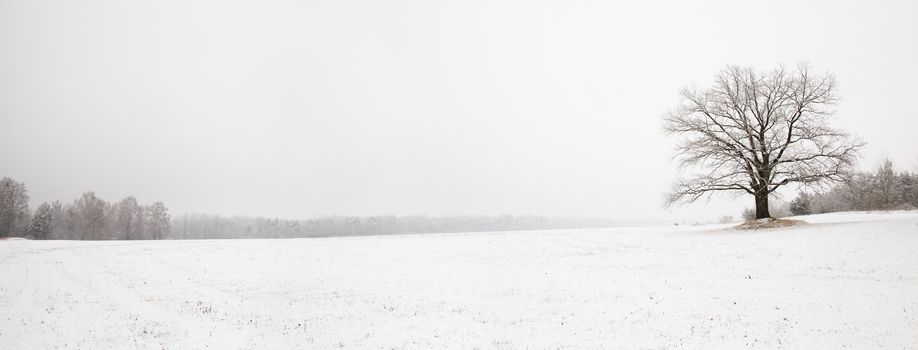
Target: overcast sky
302, 108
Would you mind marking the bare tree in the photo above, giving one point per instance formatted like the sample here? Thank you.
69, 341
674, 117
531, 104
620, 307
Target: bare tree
753, 133
157, 221
14, 208
91, 215
885, 194
128, 219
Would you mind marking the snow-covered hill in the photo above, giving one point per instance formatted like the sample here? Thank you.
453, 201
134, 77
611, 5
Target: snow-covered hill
845, 280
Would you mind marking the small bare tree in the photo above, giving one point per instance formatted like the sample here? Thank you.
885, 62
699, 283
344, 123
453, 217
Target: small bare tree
753, 133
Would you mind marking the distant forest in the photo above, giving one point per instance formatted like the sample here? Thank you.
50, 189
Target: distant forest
91, 218
196, 226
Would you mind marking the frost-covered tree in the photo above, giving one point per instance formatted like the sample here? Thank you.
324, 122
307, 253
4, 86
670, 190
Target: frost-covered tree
128, 219
908, 187
755, 132
91, 215
64, 221
801, 205
156, 221
14, 208
884, 188
41, 227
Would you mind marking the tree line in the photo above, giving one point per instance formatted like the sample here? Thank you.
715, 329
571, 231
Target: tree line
85, 218
884, 189
208, 226
92, 218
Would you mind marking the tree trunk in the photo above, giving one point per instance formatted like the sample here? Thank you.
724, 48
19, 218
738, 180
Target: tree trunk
761, 206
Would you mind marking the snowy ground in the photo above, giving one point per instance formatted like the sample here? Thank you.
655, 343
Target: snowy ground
846, 280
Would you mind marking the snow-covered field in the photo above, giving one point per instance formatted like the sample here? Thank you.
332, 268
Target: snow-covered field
845, 280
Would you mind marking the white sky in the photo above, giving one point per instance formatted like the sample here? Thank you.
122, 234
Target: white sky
303, 108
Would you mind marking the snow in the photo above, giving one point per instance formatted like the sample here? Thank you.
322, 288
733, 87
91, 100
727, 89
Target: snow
843, 280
